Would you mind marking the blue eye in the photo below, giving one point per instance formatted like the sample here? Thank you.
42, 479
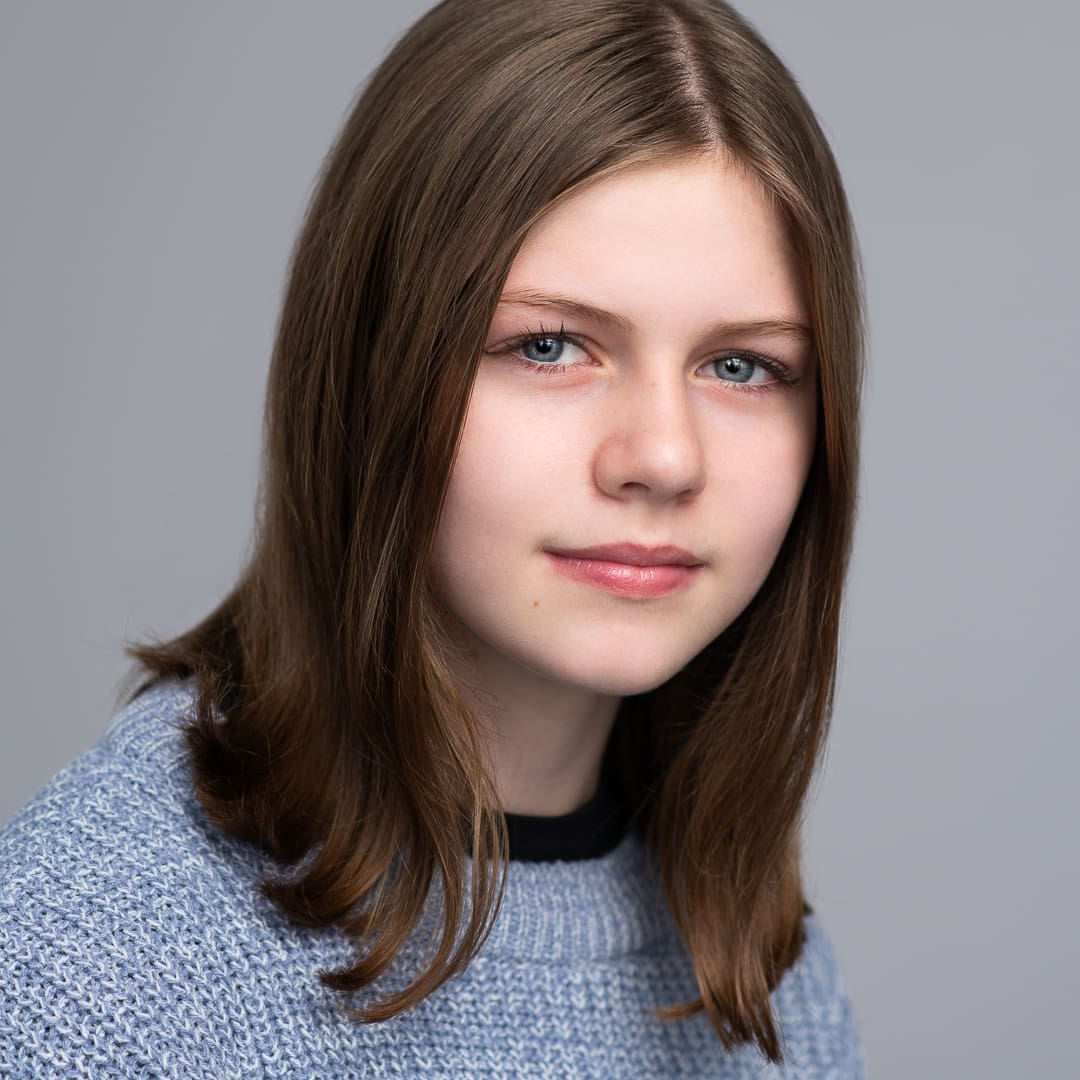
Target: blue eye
744, 368
544, 350
736, 368
550, 351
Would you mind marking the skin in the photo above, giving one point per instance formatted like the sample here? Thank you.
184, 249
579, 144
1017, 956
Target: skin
637, 435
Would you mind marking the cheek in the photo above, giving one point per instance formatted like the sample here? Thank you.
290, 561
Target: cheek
502, 480
519, 450
759, 479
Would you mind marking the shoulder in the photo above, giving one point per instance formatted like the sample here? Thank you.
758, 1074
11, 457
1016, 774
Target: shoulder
132, 785
113, 892
821, 1033
126, 806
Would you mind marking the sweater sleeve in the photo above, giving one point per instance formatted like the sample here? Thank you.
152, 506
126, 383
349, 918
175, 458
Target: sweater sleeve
106, 973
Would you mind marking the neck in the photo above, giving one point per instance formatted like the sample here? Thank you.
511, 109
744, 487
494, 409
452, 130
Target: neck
546, 739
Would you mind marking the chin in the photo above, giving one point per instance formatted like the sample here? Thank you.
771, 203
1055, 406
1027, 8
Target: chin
617, 676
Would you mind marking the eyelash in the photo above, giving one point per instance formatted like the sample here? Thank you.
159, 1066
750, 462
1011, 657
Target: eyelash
771, 364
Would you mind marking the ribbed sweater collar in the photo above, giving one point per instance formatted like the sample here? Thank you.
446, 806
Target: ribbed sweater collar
600, 908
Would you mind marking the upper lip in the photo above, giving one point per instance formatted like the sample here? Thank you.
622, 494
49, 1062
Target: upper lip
632, 554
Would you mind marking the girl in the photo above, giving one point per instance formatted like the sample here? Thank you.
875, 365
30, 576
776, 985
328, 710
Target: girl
493, 761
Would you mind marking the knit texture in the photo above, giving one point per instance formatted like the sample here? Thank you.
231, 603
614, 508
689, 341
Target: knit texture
134, 942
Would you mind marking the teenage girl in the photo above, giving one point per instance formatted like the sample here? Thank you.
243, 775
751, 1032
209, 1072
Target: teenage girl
493, 761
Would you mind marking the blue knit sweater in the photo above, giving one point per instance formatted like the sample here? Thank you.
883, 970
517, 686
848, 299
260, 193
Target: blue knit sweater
133, 942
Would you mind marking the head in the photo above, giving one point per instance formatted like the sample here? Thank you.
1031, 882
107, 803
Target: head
426, 485
566, 149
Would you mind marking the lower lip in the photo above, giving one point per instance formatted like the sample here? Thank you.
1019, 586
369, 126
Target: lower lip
624, 578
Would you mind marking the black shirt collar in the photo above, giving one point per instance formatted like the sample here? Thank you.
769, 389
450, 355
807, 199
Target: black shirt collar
586, 833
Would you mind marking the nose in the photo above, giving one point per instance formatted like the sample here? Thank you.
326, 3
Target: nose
650, 447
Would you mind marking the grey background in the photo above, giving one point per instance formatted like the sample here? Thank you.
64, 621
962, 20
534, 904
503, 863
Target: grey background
156, 161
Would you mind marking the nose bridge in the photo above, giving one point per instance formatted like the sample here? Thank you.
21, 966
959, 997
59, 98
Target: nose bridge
653, 442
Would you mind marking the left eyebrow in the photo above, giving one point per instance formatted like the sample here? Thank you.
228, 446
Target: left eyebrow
780, 325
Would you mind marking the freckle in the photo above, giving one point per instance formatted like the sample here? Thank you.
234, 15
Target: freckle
536, 603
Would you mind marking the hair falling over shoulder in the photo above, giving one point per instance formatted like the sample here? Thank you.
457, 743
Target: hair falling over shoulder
345, 750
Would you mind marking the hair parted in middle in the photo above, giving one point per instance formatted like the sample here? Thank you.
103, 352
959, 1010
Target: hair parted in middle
346, 751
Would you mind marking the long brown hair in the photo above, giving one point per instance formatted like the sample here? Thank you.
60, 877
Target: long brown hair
344, 740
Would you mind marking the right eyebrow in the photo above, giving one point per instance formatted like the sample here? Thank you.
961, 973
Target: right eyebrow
574, 307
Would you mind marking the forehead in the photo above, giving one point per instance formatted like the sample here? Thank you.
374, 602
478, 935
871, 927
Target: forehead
680, 239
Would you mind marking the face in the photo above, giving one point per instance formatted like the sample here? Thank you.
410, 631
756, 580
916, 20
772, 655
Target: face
639, 432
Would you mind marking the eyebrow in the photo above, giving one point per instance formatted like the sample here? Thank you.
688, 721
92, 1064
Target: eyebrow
778, 325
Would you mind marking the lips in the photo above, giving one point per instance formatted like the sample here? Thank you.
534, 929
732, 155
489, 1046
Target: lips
631, 555
628, 569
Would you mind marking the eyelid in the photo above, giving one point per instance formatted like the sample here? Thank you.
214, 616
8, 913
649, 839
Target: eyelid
527, 336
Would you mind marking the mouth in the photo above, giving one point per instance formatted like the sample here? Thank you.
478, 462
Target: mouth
631, 554
628, 569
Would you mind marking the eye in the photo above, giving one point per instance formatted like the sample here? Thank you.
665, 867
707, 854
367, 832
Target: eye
545, 350
749, 369
552, 351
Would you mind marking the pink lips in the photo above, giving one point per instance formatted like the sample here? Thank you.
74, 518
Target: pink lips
630, 569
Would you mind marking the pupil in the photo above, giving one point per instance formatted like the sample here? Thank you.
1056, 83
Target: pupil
738, 368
